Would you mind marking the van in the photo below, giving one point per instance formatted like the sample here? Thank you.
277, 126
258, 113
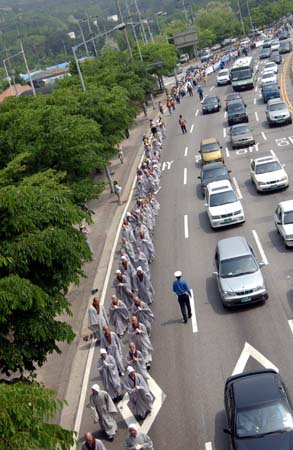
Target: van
184, 58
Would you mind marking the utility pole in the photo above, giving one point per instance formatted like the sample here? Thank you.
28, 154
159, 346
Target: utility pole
250, 19
185, 11
241, 18
144, 37
83, 39
120, 17
26, 67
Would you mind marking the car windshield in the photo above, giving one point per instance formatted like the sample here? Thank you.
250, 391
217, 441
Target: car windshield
272, 417
235, 267
233, 97
288, 217
212, 147
269, 65
268, 167
240, 130
214, 173
268, 75
241, 74
223, 198
270, 87
210, 100
277, 106
235, 107
223, 73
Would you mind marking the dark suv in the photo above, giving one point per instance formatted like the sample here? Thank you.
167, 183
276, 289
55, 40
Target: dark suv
236, 112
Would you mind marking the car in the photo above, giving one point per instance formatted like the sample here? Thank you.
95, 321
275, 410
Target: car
223, 77
245, 41
211, 151
211, 103
275, 45
283, 219
265, 53
236, 112
285, 47
258, 411
223, 206
267, 43
277, 112
283, 35
268, 77
213, 172
206, 55
241, 136
269, 91
268, 174
184, 58
276, 57
216, 47
238, 273
271, 66
233, 96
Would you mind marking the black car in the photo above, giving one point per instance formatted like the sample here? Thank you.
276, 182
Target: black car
236, 112
259, 412
265, 53
276, 57
216, 171
211, 103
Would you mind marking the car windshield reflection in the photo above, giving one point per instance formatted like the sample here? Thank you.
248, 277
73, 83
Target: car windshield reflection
223, 198
268, 167
234, 267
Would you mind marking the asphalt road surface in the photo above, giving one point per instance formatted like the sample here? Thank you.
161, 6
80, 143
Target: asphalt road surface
191, 362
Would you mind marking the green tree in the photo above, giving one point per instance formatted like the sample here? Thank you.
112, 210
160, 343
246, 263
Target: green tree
26, 409
160, 59
206, 38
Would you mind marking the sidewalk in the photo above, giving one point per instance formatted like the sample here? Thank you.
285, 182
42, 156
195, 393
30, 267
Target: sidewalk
63, 372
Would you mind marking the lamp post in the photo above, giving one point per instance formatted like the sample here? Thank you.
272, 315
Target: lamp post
159, 14
26, 66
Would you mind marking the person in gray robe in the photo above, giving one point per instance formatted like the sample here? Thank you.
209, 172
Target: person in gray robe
146, 246
97, 318
140, 398
111, 342
137, 440
127, 232
128, 249
141, 188
141, 260
135, 359
155, 204
92, 443
118, 316
128, 270
142, 227
123, 288
103, 408
143, 286
109, 374
143, 313
138, 334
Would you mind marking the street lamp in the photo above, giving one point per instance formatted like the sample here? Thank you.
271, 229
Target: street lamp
159, 14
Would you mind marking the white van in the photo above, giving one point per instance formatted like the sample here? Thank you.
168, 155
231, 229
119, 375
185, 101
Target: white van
184, 58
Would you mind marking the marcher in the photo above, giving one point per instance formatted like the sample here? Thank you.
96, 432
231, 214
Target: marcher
182, 123
117, 191
147, 246
120, 153
97, 318
140, 397
118, 316
137, 440
92, 443
111, 342
141, 260
181, 289
200, 92
138, 334
143, 286
160, 106
103, 409
135, 359
145, 110
109, 374
143, 313
84, 231
123, 288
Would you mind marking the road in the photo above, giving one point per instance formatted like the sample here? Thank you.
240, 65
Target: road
192, 362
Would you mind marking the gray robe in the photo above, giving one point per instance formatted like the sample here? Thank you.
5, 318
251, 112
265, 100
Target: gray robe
144, 315
129, 250
147, 247
130, 273
96, 321
141, 399
123, 290
141, 260
138, 364
144, 288
142, 341
141, 439
102, 408
127, 233
110, 376
99, 445
114, 349
118, 317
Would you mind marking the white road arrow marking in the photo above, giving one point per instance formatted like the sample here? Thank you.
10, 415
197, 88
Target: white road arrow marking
248, 351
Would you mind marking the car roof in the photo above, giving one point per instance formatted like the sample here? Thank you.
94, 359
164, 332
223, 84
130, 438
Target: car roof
211, 166
232, 247
287, 205
211, 96
273, 101
236, 101
209, 141
219, 186
256, 388
239, 125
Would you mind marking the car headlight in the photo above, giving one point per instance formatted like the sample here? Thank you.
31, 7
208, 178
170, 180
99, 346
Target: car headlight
258, 288
284, 178
261, 183
237, 212
227, 293
289, 236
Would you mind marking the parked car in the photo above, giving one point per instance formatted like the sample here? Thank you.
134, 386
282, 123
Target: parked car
275, 45
258, 411
277, 112
236, 112
216, 47
238, 273
241, 136
268, 174
283, 219
184, 58
269, 91
223, 77
213, 172
211, 151
206, 55
211, 103
267, 43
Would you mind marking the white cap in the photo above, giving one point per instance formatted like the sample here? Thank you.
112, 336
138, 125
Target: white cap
119, 271
130, 369
178, 273
103, 351
139, 269
122, 257
95, 387
133, 425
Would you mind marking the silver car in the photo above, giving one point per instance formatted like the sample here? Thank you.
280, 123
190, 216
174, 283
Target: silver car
241, 136
277, 112
238, 273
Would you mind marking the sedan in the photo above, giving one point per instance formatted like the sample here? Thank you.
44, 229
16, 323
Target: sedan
277, 112
271, 65
283, 219
213, 172
233, 96
267, 174
265, 53
211, 103
276, 57
268, 77
258, 411
241, 136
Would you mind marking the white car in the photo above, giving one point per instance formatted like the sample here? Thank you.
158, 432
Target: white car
271, 66
275, 45
268, 77
268, 174
223, 77
283, 218
223, 205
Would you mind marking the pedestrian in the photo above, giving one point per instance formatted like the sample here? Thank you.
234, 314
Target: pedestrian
117, 191
143, 313
146, 246
143, 286
118, 316
141, 260
182, 290
123, 288
160, 106
109, 374
135, 359
138, 334
120, 153
137, 439
85, 233
145, 110
97, 319
169, 106
128, 270
182, 123
200, 93
111, 342
103, 408
140, 397
92, 443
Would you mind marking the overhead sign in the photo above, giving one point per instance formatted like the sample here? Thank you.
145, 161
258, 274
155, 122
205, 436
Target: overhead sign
247, 352
185, 39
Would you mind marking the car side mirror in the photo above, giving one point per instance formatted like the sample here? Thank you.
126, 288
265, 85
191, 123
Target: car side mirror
262, 264
245, 105
215, 274
278, 222
227, 430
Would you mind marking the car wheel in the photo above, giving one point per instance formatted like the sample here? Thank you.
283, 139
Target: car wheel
270, 124
290, 121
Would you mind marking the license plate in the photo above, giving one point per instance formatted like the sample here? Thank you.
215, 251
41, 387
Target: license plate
245, 299
228, 220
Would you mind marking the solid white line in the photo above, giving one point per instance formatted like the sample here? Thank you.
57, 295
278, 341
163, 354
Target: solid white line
290, 322
196, 113
255, 89
193, 317
185, 176
227, 152
263, 135
191, 128
186, 234
237, 189
256, 116
254, 101
208, 446
185, 151
225, 114
224, 132
260, 247
213, 87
